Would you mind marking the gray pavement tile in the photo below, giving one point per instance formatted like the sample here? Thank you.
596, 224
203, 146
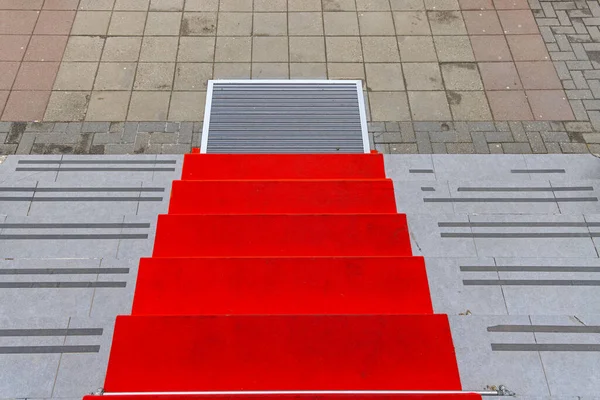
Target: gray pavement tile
501, 202
109, 302
29, 375
8, 170
549, 299
409, 167
507, 243
479, 167
450, 296
572, 372
575, 166
410, 197
427, 240
579, 201
480, 366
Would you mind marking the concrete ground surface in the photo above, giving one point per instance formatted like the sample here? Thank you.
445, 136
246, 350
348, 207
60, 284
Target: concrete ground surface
510, 241
440, 76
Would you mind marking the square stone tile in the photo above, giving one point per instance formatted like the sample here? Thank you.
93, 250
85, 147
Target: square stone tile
232, 71
163, 24
307, 49
482, 23
91, 23
166, 5
25, 106
76, 76
234, 24
108, 106
422, 76
3, 98
149, 106
490, 48
305, 24
199, 24
12, 47
115, 76
384, 77
389, 106
416, 48
500, 76
308, 71
270, 49
103, 5
61, 4
196, 49
372, 5
411, 23
67, 106
157, 48
15, 22
376, 24
461, 76
346, 70
446, 23
36, 76
270, 5
192, 76
341, 23
429, 106
441, 5
476, 4
154, 76
339, 5
187, 106
270, 71
453, 48
407, 5
83, 48
233, 49
46, 48
343, 49
8, 75
517, 22
235, 5
54, 23
550, 104
538, 75
132, 5
527, 47
469, 106
127, 23
304, 5
201, 5
511, 4
270, 24
380, 49
509, 105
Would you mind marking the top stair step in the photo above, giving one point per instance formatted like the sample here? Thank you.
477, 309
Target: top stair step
282, 166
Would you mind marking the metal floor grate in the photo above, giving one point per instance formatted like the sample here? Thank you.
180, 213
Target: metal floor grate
284, 116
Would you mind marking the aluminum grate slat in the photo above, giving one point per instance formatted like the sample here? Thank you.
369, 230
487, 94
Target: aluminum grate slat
284, 116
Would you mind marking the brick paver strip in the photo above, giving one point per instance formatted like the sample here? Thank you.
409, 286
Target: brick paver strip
454, 76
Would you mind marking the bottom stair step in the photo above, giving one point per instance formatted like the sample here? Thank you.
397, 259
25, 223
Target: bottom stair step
263, 352
326, 285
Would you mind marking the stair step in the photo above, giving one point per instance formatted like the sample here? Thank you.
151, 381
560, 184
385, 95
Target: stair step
281, 197
282, 235
237, 286
285, 396
282, 166
265, 352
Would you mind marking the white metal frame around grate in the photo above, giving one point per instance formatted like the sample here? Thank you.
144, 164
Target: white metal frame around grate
285, 116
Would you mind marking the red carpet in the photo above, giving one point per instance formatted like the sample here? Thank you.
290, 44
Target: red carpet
283, 197
283, 273
236, 286
291, 352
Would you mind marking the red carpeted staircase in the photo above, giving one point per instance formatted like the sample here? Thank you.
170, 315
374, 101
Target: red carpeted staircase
283, 273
